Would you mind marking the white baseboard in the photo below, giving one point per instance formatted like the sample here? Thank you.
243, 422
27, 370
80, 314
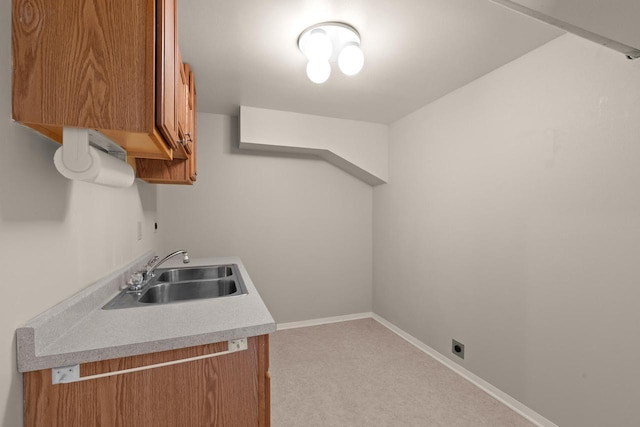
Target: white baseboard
488, 388
324, 321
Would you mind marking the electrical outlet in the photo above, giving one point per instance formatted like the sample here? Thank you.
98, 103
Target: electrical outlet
457, 348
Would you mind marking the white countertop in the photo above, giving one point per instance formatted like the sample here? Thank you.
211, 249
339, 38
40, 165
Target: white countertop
98, 334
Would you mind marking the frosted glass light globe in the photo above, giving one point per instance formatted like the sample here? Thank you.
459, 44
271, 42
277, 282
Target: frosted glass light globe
318, 71
351, 59
318, 46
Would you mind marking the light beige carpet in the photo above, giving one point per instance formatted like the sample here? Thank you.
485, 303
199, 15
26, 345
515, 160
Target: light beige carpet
359, 373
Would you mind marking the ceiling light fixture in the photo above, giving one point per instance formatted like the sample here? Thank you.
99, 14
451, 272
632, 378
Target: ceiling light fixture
331, 42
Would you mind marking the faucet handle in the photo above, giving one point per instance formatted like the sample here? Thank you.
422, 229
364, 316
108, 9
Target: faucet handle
135, 281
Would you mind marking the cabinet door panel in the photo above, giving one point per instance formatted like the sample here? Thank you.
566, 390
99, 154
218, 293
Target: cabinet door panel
166, 77
182, 88
192, 126
219, 391
65, 72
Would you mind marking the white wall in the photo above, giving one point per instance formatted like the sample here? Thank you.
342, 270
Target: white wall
302, 227
56, 237
511, 222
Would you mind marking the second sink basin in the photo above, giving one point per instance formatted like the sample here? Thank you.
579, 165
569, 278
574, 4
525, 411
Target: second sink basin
164, 293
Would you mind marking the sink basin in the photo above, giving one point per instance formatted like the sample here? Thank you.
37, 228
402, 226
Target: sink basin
195, 273
164, 293
176, 285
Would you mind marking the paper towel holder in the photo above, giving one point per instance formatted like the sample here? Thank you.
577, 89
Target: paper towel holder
87, 155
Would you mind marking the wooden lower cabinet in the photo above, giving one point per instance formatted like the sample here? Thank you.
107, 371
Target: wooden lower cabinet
228, 390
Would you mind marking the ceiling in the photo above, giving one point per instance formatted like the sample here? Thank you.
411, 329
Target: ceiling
244, 52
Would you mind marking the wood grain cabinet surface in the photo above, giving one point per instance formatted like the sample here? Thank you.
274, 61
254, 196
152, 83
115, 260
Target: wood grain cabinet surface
228, 390
110, 65
182, 169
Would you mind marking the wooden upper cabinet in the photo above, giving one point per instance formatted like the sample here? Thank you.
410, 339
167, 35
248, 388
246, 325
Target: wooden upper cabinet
110, 65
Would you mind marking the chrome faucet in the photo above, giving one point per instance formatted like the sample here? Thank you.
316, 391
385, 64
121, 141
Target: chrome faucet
152, 265
140, 278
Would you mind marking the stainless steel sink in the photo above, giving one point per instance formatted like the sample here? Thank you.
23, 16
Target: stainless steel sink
183, 284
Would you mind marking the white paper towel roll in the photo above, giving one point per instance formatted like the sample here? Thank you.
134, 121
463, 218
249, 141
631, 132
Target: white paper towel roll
99, 168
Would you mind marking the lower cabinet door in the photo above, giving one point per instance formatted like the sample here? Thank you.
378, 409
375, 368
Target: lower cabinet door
227, 390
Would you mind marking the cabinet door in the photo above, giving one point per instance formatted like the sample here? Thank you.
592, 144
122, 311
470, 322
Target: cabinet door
227, 390
181, 170
191, 122
84, 64
166, 59
182, 85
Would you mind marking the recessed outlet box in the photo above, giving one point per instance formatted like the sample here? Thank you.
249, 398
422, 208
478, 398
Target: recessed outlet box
457, 348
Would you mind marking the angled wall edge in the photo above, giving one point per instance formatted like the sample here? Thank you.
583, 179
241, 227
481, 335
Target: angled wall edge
358, 148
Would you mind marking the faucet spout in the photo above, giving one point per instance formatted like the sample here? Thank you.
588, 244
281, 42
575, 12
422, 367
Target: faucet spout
185, 259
